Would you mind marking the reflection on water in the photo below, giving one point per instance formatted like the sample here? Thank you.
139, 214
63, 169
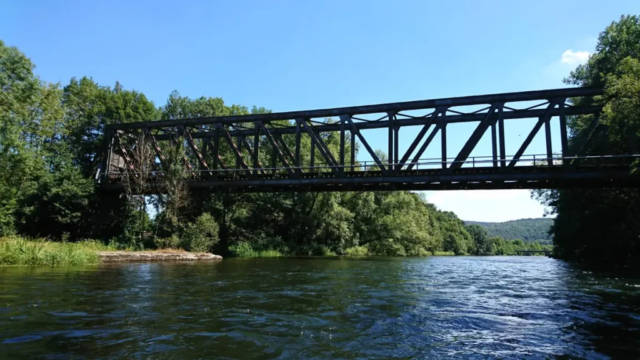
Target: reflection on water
321, 308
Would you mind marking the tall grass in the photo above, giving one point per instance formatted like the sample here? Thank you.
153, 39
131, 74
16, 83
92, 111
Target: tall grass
39, 252
357, 251
245, 250
443, 253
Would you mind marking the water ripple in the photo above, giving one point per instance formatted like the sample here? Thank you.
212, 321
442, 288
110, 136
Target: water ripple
462, 307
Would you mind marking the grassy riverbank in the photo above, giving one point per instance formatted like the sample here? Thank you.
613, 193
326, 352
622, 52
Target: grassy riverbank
40, 252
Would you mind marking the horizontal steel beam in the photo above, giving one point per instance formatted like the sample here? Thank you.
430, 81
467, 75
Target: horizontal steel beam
369, 109
449, 119
524, 176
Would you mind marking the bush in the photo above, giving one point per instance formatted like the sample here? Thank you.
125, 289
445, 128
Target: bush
314, 249
269, 253
443, 253
242, 249
387, 248
357, 251
201, 235
419, 251
245, 250
323, 251
172, 242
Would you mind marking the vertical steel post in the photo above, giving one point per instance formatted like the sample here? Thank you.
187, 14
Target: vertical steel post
503, 154
390, 141
396, 141
109, 149
353, 150
297, 150
342, 144
547, 135
313, 155
443, 133
216, 147
239, 146
256, 144
274, 161
563, 131
205, 146
494, 145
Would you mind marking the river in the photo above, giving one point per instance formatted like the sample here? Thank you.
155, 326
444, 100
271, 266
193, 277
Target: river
324, 308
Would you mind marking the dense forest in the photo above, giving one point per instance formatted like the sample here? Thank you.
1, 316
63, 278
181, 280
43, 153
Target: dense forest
50, 139
603, 225
527, 230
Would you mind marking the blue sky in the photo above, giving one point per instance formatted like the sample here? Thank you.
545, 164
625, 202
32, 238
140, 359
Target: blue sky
295, 55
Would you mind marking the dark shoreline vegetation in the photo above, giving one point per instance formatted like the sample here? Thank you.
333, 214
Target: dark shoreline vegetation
42, 252
602, 226
51, 136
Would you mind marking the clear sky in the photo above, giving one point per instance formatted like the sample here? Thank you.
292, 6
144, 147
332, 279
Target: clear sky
297, 55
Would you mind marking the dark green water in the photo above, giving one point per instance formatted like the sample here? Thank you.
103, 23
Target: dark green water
465, 307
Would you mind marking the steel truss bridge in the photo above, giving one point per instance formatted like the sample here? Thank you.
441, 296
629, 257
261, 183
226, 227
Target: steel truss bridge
267, 152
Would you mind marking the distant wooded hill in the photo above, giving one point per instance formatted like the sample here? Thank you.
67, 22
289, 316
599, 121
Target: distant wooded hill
524, 229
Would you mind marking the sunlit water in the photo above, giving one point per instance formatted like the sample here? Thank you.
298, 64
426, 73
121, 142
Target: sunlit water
467, 307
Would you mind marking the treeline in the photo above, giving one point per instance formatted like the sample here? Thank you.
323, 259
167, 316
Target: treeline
602, 226
527, 230
485, 244
50, 148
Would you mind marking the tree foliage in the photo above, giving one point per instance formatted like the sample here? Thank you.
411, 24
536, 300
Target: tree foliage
601, 225
524, 229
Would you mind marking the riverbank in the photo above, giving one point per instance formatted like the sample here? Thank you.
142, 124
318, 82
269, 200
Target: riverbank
156, 255
41, 252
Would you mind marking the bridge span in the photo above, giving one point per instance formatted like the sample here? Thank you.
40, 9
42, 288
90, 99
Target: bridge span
316, 150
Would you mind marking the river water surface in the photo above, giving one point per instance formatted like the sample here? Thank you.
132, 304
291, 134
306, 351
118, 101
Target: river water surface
328, 308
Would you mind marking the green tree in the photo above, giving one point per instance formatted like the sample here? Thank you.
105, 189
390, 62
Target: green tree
483, 245
30, 115
453, 233
201, 235
601, 225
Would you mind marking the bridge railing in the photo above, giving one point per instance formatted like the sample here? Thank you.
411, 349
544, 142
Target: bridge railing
536, 161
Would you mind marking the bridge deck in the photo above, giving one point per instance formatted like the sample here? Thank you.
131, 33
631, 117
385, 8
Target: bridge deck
521, 177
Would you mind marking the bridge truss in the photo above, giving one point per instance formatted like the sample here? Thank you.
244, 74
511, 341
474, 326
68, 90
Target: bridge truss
316, 150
